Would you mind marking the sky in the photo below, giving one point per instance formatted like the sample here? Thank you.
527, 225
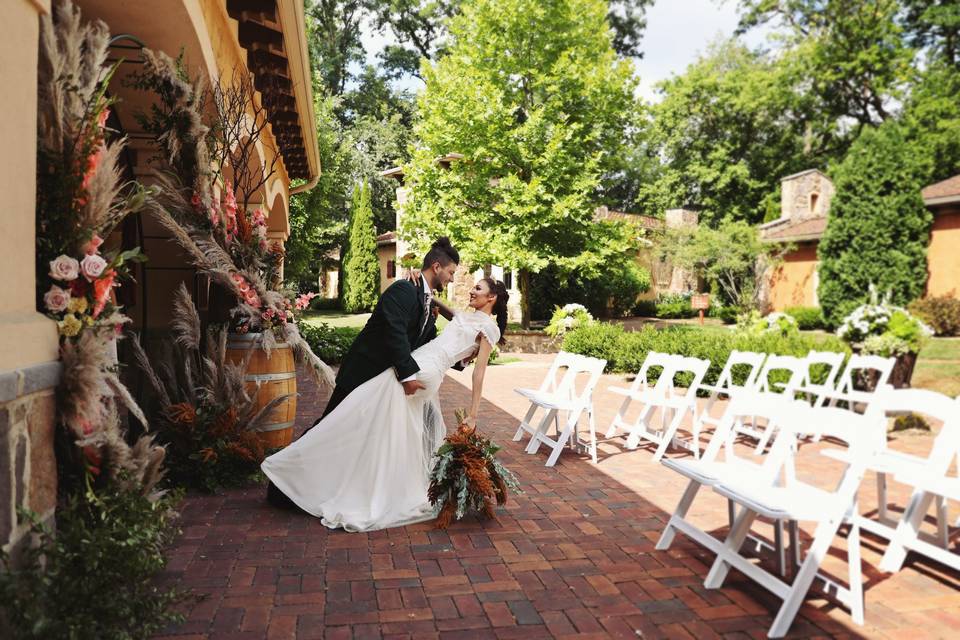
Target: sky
677, 31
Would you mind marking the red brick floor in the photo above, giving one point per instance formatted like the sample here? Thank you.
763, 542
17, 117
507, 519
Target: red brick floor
572, 557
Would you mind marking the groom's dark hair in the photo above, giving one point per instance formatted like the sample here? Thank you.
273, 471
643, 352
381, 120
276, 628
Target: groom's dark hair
441, 251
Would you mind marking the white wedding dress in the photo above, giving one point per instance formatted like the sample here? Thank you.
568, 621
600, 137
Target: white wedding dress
366, 465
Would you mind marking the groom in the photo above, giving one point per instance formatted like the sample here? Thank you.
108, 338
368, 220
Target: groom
401, 322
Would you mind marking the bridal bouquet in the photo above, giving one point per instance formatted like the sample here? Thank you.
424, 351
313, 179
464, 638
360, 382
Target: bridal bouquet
468, 476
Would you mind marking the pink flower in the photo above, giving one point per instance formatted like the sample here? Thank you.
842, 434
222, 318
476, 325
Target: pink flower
195, 200
64, 268
252, 299
101, 291
93, 161
102, 120
56, 299
93, 266
229, 200
93, 244
259, 219
214, 217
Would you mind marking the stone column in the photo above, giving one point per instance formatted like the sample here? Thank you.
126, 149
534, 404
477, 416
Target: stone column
29, 367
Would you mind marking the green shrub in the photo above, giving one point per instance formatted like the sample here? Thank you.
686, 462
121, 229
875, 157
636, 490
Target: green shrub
625, 351
645, 309
675, 305
878, 228
808, 318
613, 292
96, 578
329, 343
941, 313
325, 304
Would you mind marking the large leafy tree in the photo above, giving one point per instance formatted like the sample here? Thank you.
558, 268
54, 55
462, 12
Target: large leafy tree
727, 130
879, 228
361, 269
533, 96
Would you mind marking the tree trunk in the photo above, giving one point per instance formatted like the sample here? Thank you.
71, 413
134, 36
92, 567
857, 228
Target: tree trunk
524, 278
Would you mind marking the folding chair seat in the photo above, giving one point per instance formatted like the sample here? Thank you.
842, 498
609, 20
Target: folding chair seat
796, 500
567, 397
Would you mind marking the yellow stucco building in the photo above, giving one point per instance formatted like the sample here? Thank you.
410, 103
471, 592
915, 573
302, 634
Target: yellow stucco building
266, 38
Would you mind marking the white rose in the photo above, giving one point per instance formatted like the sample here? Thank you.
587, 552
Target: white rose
93, 266
56, 299
64, 268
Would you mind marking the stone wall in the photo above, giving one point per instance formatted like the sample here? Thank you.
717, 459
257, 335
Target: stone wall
28, 468
805, 195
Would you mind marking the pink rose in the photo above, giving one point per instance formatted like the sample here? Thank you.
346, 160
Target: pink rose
56, 299
93, 266
93, 244
64, 268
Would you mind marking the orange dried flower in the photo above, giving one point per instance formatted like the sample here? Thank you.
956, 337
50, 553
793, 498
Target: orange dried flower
182, 413
208, 454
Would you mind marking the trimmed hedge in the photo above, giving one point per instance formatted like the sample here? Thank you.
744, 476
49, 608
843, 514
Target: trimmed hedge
329, 343
808, 318
625, 351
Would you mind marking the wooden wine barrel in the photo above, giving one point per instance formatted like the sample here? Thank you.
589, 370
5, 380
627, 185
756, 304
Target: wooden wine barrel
276, 376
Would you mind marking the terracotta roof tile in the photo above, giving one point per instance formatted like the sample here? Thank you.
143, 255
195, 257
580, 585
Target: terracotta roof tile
390, 237
949, 188
809, 229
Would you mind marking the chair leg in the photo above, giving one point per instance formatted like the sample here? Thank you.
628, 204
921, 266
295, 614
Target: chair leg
669, 532
943, 535
907, 531
534, 443
822, 538
855, 571
621, 412
882, 496
666, 436
731, 546
568, 432
633, 438
779, 548
526, 421
593, 433
793, 530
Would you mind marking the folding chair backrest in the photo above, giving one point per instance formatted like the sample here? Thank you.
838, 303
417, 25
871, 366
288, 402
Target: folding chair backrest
582, 377
795, 366
830, 360
694, 366
741, 359
551, 382
881, 368
927, 404
751, 404
654, 360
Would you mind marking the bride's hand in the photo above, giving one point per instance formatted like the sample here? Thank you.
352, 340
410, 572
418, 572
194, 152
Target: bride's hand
413, 275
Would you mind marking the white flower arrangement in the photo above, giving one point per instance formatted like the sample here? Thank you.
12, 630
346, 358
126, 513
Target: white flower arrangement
882, 328
568, 317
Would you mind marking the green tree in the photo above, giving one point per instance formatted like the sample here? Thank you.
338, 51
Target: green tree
534, 97
878, 227
730, 256
361, 268
727, 130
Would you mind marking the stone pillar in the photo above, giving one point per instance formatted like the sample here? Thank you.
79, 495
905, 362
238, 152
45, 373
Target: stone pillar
29, 366
402, 247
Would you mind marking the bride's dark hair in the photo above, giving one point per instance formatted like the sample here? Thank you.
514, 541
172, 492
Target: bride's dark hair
499, 289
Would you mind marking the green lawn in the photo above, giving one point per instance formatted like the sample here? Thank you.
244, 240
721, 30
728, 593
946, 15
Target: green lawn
941, 349
335, 318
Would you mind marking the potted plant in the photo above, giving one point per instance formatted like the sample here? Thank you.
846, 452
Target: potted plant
886, 330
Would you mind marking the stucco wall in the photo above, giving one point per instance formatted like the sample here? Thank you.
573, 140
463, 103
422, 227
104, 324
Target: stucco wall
386, 253
943, 254
793, 284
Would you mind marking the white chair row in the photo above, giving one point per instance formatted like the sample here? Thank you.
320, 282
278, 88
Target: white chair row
772, 489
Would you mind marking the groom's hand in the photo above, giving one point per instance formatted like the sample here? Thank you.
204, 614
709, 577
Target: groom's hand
410, 387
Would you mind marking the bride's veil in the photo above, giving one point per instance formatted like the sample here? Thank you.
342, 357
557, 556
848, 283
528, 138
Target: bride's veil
434, 431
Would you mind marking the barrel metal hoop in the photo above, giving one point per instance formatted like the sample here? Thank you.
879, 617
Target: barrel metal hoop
276, 427
269, 377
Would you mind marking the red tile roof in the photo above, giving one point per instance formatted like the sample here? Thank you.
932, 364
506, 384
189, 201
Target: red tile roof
809, 229
390, 237
944, 191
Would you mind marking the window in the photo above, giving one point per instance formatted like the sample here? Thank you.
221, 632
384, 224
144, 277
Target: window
508, 279
813, 202
391, 268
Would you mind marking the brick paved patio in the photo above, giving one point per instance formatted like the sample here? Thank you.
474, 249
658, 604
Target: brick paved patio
572, 557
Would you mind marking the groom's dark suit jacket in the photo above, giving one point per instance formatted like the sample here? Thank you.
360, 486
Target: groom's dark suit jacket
390, 335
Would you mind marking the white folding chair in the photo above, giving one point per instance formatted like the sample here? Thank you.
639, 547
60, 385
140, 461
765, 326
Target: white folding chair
726, 386
720, 460
665, 398
797, 369
638, 389
796, 500
929, 475
857, 366
568, 398
555, 380
833, 362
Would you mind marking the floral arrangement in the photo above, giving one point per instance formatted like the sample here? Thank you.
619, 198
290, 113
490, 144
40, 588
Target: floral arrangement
568, 317
468, 476
883, 329
80, 201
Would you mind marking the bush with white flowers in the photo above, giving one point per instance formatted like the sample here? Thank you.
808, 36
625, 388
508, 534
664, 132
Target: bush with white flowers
568, 317
883, 329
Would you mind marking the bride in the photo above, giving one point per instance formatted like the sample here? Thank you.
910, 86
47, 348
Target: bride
366, 465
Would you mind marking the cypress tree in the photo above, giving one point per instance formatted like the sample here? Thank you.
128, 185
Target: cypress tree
361, 271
